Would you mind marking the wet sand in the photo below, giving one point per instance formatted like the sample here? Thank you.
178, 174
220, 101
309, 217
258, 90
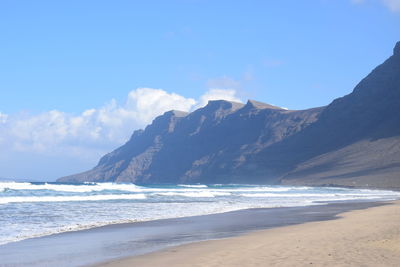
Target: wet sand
368, 237
108, 243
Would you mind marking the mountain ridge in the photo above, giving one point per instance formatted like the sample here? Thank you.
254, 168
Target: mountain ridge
346, 143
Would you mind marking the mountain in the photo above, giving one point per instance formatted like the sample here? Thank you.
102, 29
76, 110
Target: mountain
354, 141
207, 145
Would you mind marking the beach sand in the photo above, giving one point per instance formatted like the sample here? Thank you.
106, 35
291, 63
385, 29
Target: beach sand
369, 237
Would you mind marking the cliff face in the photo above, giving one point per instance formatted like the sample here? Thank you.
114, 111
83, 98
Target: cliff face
207, 145
357, 137
353, 141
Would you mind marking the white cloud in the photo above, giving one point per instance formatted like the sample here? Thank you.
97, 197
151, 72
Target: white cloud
3, 118
94, 128
393, 5
94, 132
146, 103
217, 94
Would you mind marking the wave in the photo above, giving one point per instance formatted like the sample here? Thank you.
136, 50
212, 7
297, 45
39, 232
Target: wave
262, 189
82, 188
194, 194
193, 185
98, 187
338, 196
62, 229
145, 203
6, 200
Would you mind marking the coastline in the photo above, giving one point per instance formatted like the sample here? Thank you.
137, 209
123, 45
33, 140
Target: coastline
114, 243
362, 237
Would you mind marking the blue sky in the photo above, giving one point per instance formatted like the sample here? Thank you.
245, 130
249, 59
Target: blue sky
60, 59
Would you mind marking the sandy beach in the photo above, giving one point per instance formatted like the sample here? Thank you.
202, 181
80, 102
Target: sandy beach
369, 237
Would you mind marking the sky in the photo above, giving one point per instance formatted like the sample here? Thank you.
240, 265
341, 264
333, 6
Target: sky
78, 77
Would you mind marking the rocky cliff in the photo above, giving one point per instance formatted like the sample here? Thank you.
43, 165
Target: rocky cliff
354, 141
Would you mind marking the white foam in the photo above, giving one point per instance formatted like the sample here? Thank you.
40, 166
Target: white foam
194, 194
193, 185
257, 189
332, 196
165, 202
20, 199
70, 188
97, 187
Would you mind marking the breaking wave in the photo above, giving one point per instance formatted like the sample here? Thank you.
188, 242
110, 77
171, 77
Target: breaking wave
5, 200
37, 209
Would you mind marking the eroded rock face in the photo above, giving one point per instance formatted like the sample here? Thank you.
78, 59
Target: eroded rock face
356, 140
206, 144
396, 49
227, 142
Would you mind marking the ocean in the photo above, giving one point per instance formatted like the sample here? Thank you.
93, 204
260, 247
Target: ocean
35, 209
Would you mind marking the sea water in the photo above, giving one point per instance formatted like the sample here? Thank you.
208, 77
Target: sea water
30, 210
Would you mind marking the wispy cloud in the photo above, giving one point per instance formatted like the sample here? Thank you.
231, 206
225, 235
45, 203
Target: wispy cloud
3, 117
235, 87
272, 63
224, 82
392, 5
358, 1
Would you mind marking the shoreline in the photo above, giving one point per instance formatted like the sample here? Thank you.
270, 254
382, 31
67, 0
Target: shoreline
80, 225
111, 242
360, 237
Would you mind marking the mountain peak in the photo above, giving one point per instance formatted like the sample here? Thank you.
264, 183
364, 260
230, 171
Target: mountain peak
396, 49
354, 141
260, 105
224, 104
167, 120
176, 113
